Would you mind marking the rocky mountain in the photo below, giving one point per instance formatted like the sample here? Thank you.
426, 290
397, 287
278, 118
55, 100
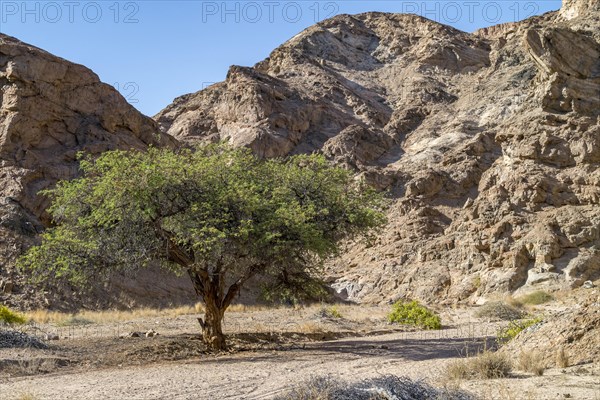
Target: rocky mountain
489, 144
51, 109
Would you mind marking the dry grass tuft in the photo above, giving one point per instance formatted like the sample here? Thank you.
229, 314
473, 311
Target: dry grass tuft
26, 396
310, 327
361, 313
536, 298
511, 301
486, 365
562, 359
532, 362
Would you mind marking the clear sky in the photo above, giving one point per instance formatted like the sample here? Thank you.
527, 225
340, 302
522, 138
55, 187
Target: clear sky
156, 50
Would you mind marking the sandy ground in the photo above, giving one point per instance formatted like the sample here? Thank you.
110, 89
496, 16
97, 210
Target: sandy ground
172, 366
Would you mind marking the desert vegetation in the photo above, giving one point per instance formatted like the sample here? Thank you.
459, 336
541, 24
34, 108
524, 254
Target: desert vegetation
487, 364
531, 361
9, 317
220, 215
511, 331
413, 313
370, 158
536, 298
500, 310
387, 387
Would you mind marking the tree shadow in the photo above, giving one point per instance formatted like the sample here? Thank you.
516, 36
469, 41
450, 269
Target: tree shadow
408, 349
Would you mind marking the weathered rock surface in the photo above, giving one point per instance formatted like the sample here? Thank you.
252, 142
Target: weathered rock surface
489, 143
574, 331
51, 109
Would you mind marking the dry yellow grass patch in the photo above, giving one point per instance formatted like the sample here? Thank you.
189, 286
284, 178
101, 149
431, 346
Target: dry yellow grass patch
242, 308
361, 313
26, 396
510, 300
531, 361
107, 316
310, 327
485, 365
562, 359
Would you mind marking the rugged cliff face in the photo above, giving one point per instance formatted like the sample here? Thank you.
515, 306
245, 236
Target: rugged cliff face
489, 143
51, 109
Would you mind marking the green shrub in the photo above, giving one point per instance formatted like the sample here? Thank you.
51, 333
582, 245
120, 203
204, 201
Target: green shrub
330, 312
486, 365
536, 298
499, 310
413, 313
10, 317
514, 328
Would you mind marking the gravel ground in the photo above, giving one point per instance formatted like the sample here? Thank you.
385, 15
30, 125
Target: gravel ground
262, 375
267, 361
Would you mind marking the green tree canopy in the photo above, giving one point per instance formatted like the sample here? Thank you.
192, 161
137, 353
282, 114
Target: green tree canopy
219, 214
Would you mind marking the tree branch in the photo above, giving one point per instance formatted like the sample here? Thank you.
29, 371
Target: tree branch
196, 282
235, 288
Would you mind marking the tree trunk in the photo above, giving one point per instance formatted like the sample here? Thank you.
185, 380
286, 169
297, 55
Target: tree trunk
215, 302
212, 331
214, 309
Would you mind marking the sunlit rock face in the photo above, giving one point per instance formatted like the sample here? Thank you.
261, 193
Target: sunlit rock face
487, 142
51, 109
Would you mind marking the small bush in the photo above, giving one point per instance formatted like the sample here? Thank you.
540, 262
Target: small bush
514, 328
334, 312
387, 387
486, 365
562, 359
499, 310
536, 298
531, 361
330, 312
413, 313
10, 317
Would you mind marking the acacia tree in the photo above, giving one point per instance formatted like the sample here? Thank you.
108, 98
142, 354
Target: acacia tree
218, 214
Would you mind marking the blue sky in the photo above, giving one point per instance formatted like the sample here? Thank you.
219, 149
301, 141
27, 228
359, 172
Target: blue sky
155, 50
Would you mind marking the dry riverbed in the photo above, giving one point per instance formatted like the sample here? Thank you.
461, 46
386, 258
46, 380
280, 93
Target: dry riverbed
271, 349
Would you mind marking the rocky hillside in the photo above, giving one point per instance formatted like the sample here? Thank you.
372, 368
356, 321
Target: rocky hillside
51, 109
488, 142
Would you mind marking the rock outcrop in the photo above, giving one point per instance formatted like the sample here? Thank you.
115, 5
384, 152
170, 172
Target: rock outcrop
51, 109
488, 143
